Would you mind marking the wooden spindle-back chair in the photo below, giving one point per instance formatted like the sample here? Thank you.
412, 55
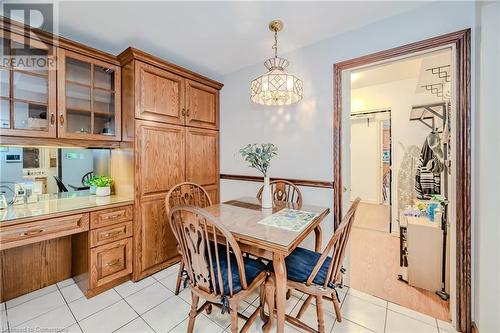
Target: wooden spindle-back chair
215, 266
186, 193
326, 273
283, 190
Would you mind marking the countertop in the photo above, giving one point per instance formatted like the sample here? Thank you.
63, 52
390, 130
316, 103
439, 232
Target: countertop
60, 204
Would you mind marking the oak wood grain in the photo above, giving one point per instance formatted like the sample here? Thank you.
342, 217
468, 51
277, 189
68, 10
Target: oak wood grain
134, 54
34, 266
110, 234
202, 105
154, 240
58, 41
26, 233
106, 217
62, 116
51, 104
9, 140
202, 156
160, 94
110, 261
160, 157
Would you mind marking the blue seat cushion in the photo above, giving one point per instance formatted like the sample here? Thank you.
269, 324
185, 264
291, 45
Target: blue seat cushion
300, 263
252, 269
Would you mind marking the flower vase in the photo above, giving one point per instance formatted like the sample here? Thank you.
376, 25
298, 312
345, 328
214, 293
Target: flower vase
267, 198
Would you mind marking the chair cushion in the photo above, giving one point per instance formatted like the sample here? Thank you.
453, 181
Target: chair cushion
300, 263
252, 269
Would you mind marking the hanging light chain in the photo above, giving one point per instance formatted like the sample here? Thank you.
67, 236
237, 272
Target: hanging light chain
275, 46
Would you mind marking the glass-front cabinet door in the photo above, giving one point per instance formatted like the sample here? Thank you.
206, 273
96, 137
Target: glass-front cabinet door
88, 98
27, 87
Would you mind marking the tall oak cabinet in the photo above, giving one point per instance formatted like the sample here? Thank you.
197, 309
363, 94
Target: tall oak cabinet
172, 117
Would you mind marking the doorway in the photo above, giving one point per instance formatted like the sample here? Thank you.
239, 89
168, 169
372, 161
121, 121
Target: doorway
460, 242
370, 174
399, 251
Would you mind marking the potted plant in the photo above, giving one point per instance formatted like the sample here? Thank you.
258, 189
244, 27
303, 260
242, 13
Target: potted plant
259, 156
102, 185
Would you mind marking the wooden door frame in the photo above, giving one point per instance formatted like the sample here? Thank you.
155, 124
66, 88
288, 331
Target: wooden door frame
462, 42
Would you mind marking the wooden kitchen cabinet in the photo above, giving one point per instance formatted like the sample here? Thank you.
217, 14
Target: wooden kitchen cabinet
172, 116
202, 159
102, 258
155, 242
160, 157
28, 88
160, 95
110, 262
89, 100
202, 105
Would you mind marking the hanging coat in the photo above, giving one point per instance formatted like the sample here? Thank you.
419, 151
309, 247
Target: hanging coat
428, 175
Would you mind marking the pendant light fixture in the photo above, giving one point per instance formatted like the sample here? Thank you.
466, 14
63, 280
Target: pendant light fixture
276, 87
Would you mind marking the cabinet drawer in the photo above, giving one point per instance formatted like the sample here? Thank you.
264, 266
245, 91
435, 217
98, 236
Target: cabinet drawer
32, 232
110, 261
110, 216
110, 234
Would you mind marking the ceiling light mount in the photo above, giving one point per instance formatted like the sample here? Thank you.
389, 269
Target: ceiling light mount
276, 25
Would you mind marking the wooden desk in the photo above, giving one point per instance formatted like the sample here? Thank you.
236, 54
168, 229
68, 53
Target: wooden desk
92, 244
242, 218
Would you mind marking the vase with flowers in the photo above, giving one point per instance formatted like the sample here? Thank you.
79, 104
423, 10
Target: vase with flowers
259, 156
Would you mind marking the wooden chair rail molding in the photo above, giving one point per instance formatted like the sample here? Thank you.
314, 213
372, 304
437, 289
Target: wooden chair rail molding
298, 182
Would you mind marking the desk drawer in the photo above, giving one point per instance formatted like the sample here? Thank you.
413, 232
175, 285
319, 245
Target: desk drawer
110, 262
110, 234
32, 232
110, 216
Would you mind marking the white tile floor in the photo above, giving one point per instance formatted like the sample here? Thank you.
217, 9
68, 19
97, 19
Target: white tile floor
151, 306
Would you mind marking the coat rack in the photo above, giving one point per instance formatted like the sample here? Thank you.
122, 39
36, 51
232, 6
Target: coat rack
429, 112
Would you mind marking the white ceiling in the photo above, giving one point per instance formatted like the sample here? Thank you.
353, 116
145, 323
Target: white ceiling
215, 38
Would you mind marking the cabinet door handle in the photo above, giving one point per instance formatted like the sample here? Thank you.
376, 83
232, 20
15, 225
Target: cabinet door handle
113, 263
61, 120
31, 233
52, 118
183, 112
107, 217
188, 112
114, 233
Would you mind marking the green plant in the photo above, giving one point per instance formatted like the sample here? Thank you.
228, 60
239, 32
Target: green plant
90, 181
100, 181
259, 155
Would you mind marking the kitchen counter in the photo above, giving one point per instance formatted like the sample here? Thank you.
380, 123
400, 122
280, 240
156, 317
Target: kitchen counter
60, 204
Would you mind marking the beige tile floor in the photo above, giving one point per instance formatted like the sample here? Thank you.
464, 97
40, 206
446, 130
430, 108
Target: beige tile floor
151, 306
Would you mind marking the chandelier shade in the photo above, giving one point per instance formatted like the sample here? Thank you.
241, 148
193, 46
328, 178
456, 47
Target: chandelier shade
276, 87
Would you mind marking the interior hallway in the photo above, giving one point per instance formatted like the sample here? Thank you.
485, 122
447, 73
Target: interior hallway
374, 264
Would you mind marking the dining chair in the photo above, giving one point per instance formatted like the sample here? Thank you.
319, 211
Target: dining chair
216, 269
186, 193
283, 190
319, 274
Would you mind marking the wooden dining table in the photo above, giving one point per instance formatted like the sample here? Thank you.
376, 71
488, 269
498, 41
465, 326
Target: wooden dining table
242, 217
